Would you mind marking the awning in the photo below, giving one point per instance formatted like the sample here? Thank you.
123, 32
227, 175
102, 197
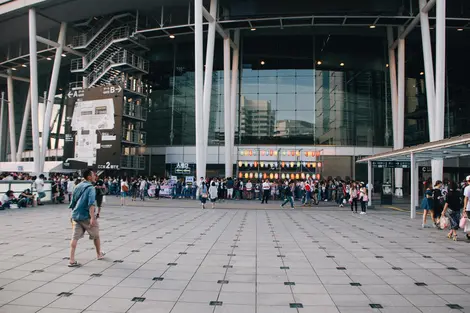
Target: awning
454, 147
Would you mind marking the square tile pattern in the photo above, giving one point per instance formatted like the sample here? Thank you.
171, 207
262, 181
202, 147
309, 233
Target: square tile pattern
169, 256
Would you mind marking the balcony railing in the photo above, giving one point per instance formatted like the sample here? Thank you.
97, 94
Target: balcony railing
134, 136
132, 162
135, 111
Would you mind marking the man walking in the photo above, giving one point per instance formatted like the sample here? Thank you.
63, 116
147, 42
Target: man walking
83, 216
289, 195
266, 191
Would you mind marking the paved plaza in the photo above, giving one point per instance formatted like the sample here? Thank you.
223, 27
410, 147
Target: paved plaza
170, 256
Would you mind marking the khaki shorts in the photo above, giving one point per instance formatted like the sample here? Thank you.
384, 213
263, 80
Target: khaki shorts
79, 228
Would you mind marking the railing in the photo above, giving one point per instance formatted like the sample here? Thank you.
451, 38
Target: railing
135, 110
134, 136
132, 161
76, 85
118, 58
118, 33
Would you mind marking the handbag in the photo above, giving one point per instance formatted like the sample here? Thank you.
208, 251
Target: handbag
463, 222
104, 199
467, 227
444, 222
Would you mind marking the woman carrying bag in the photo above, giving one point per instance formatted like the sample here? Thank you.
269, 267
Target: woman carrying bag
213, 193
203, 194
452, 210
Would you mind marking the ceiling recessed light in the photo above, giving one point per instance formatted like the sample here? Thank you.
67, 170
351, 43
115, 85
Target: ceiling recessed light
263, 63
341, 64
319, 63
13, 69
253, 29
24, 65
172, 36
49, 58
372, 26
64, 55
460, 29
386, 65
421, 73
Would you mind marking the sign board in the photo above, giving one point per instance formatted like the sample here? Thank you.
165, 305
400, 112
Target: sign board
182, 168
93, 128
391, 164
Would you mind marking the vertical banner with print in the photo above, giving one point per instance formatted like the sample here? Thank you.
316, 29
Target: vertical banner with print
93, 127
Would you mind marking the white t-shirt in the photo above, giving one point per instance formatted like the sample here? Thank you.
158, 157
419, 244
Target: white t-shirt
466, 193
124, 183
70, 186
143, 184
39, 184
5, 198
266, 186
249, 186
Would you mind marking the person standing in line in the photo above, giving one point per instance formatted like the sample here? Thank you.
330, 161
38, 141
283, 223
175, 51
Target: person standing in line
143, 187
83, 216
39, 186
266, 191
289, 196
203, 193
213, 194
124, 191
466, 202
100, 191
438, 202
353, 196
364, 198
249, 188
229, 188
452, 208
70, 187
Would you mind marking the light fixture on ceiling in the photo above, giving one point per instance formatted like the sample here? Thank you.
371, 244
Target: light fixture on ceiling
372, 26
460, 29
64, 55
386, 65
421, 73
263, 63
172, 36
48, 58
24, 65
253, 29
13, 69
319, 62
341, 64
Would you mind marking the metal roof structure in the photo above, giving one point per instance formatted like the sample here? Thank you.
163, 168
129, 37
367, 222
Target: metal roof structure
449, 148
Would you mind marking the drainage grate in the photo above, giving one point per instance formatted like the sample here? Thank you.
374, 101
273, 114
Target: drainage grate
64, 294
427, 257
330, 256
148, 243
353, 241
118, 261
451, 268
228, 266
322, 248
158, 237
289, 283
66, 258
216, 303
376, 306
183, 253
420, 284
379, 257
397, 268
233, 246
135, 251
18, 255
355, 284
296, 305
454, 306
277, 247
138, 299
284, 267
158, 278
96, 275
341, 268
223, 282
172, 264
190, 245
281, 256
231, 254
37, 271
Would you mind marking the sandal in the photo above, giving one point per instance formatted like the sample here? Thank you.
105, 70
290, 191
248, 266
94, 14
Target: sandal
101, 256
449, 236
454, 238
74, 264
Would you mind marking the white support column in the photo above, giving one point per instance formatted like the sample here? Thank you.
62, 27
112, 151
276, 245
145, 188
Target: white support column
198, 92
414, 185
400, 113
24, 126
428, 67
52, 90
439, 113
370, 181
33, 59
11, 116
227, 111
233, 91
392, 66
2, 124
208, 71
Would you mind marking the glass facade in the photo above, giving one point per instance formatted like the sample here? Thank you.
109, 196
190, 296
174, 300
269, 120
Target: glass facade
291, 91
